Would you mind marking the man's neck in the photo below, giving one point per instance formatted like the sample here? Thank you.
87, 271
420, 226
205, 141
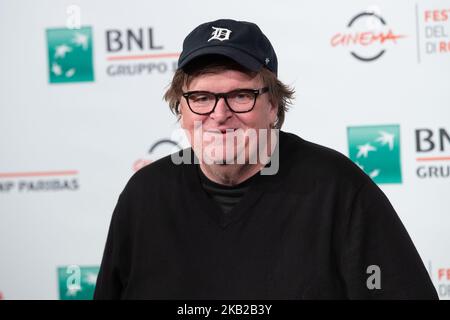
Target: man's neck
230, 174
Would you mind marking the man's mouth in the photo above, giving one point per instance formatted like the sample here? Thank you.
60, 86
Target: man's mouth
222, 131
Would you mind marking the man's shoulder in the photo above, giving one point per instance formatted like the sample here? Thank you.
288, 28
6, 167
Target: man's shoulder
163, 171
317, 160
308, 151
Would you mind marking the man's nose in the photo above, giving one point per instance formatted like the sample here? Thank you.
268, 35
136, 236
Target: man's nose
221, 112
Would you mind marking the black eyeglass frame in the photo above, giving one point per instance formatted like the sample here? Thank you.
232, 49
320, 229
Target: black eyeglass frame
224, 95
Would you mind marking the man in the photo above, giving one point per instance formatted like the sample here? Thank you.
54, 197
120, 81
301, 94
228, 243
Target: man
251, 214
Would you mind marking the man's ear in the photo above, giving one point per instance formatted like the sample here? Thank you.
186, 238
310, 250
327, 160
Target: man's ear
180, 115
273, 112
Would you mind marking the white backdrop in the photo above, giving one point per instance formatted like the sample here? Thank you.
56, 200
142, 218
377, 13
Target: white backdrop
68, 148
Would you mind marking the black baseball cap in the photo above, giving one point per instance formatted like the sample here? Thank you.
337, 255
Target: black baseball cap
240, 41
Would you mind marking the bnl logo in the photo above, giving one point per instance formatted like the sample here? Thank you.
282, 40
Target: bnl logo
70, 55
376, 150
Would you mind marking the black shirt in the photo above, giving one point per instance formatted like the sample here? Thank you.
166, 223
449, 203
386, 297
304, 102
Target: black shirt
311, 231
225, 196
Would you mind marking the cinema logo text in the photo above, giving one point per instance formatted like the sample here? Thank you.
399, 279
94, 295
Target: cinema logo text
42, 181
433, 153
134, 52
367, 37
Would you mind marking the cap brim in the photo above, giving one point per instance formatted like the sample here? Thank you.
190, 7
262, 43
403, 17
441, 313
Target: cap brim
241, 57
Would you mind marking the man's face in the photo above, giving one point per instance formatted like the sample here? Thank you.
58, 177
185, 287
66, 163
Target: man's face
214, 125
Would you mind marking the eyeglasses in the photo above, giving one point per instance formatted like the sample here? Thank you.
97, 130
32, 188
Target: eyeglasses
238, 101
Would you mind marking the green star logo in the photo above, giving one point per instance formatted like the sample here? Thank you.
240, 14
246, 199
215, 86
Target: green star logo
70, 55
77, 283
376, 150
